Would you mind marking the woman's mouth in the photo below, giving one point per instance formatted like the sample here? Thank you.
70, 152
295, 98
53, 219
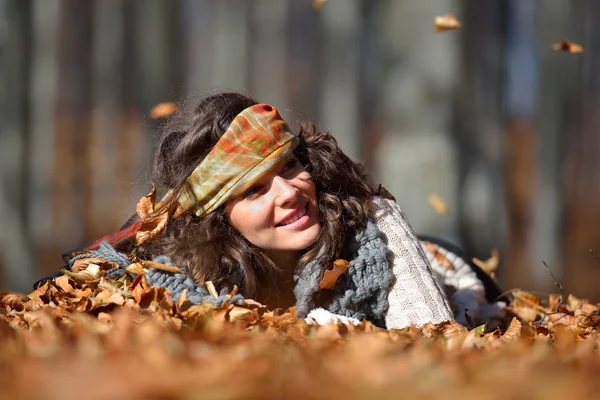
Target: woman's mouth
297, 220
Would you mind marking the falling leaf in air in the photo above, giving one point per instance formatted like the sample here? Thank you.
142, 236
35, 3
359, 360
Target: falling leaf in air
490, 265
318, 4
570, 47
331, 276
163, 110
438, 204
445, 23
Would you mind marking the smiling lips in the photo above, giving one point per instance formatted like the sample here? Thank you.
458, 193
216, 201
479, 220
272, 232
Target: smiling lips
296, 216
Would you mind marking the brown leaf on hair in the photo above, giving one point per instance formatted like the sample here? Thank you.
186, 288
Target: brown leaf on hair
152, 224
331, 276
446, 22
383, 192
570, 47
163, 110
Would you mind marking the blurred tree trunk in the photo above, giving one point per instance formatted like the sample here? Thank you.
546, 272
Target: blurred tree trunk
16, 249
197, 27
479, 126
266, 53
416, 156
303, 59
107, 88
581, 83
555, 114
339, 87
71, 168
231, 45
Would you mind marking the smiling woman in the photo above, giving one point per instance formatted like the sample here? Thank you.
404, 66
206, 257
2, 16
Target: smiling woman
248, 203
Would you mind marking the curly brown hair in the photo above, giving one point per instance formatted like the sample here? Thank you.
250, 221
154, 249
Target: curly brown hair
209, 248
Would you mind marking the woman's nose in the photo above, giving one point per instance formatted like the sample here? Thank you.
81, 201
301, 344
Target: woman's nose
284, 191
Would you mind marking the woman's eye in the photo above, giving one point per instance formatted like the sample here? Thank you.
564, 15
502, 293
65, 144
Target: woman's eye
290, 165
252, 193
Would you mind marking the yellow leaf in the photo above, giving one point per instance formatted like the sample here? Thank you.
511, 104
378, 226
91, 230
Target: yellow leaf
490, 265
446, 22
438, 204
570, 47
318, 4
331, 276
163, 110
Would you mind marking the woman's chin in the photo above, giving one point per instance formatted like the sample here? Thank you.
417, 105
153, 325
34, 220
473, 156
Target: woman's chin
301, 240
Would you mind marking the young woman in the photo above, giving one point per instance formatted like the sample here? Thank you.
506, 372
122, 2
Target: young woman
247, 202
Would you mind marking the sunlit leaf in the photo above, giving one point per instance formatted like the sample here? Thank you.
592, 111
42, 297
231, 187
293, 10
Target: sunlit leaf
446, 22
568, 46
331, 276
163, 110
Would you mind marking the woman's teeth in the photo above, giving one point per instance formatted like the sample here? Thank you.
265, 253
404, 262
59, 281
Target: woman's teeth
294, 218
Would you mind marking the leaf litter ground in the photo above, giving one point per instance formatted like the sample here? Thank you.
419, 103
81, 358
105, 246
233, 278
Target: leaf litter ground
86, 335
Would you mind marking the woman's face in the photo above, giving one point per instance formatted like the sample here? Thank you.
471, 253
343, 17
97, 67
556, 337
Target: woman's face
279, 214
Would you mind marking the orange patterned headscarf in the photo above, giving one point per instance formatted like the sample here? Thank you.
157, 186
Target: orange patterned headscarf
256, 141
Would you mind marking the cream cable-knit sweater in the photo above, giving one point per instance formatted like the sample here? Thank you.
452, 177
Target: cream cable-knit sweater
415, 297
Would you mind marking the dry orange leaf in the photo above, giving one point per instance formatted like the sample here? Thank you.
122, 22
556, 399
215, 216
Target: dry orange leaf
514, 330
163, 110
490, 265
318, 4
107, 297
152, 224
155, 265
135, 268
440, 258
570, 47
211, 289
331, 276
438, 204
445, 23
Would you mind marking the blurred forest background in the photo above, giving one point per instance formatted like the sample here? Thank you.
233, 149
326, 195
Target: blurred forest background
489, 117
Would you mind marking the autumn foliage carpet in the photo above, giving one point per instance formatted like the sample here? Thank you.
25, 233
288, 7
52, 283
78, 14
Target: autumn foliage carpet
86, 336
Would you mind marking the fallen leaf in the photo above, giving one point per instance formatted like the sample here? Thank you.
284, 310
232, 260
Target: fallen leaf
437, 254
514, 330
90, 273
82, 263
438, 204
156, 265
135, 268
211, 289
570, 47
106, 297
163, 110
446, 22
331, 276
490, 265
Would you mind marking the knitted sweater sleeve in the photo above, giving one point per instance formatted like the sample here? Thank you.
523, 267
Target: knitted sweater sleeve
415, 297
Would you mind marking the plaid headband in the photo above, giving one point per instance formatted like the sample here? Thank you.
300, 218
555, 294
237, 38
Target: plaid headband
256, 141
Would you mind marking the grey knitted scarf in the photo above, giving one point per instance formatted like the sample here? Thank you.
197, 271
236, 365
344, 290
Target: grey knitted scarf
360, 293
